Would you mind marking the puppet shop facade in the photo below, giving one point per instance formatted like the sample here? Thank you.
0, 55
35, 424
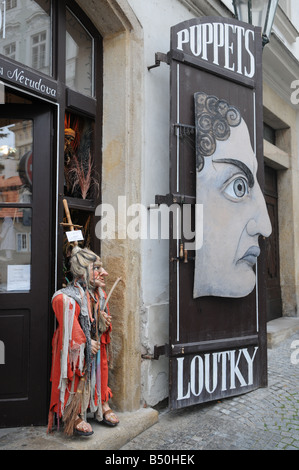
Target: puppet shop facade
130, 115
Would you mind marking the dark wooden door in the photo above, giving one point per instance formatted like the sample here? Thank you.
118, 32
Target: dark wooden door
274, 304
217, 340
25, 214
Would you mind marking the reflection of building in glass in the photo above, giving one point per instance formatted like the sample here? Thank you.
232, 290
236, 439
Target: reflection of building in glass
32, 49
10, 181
79, 48
7, 237
39, 43
16, 162
23, 136
15, 187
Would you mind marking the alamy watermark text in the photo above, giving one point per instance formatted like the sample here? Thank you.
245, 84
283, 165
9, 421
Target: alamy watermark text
137, 221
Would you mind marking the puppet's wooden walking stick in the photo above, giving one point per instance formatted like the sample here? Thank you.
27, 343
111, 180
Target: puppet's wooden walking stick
110, 293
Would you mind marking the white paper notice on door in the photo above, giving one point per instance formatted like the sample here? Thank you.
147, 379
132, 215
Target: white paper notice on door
18, 277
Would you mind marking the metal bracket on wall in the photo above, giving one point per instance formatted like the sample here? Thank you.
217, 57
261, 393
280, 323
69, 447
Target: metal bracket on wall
158, 351
159, 57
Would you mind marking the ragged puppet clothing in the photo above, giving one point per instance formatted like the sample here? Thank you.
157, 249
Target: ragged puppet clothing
77, 313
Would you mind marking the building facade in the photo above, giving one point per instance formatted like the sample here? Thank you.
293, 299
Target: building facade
76, 79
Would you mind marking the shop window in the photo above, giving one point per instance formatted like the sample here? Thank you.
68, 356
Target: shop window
33, 16
56, 38
81, 180
79, 56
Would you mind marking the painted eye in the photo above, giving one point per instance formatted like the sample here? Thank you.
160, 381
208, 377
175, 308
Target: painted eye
237, 188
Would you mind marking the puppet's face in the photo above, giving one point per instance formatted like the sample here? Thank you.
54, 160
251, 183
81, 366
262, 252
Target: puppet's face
97, 275
235, 215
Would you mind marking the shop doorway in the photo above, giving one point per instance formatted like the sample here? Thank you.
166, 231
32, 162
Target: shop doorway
54, 74
25, 247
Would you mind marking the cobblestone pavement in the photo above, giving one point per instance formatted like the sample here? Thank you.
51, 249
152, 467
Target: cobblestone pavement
265, 419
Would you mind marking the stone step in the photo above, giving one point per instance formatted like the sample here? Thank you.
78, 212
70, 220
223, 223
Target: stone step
280, 329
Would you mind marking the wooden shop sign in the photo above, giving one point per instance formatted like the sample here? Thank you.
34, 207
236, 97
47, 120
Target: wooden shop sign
217, 335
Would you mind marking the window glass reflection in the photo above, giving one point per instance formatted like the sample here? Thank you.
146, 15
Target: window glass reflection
15, 249
16, 137
26, 33
79, 51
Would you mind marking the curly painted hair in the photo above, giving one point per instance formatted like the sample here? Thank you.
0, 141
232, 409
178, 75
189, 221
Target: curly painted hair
213, 119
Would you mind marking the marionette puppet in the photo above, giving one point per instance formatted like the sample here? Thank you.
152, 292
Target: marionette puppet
81, 347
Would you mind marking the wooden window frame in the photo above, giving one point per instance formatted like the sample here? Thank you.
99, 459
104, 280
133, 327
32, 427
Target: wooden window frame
82, 105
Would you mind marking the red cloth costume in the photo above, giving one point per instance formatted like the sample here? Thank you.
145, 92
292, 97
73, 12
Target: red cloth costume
64, 382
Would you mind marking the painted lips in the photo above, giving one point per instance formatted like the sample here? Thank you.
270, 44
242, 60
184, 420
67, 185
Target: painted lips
251, 255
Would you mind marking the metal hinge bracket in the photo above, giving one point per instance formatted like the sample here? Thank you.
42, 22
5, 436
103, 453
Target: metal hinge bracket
158, 351
184, 129
159, 57
170, 199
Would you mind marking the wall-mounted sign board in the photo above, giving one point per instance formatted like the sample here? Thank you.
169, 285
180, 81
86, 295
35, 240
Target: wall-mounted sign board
217, 294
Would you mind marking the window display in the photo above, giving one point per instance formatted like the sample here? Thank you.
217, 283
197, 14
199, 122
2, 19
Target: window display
81, 180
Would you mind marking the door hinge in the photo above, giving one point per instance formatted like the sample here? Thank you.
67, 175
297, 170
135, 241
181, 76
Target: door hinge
171, 198
183, 129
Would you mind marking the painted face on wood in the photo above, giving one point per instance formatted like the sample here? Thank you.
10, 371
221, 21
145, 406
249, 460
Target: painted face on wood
234, 216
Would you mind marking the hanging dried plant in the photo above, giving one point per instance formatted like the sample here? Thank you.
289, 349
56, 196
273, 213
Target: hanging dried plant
81, 175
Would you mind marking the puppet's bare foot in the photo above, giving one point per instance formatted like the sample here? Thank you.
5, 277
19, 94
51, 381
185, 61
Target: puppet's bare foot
109, 417
82, 428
